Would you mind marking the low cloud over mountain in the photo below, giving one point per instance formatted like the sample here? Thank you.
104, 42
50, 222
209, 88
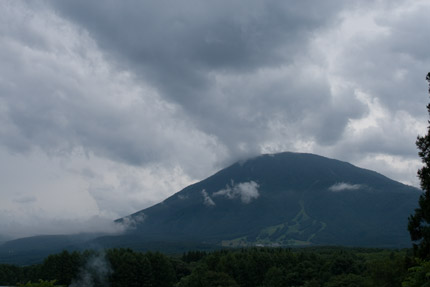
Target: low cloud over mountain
245, 191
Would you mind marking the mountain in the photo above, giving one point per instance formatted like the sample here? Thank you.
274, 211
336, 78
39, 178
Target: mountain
285, 199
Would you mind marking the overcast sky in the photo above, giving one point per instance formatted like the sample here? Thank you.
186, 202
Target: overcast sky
107, 107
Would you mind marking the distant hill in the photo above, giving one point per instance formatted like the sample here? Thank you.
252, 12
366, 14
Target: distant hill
285, 199
4, 238
30, 250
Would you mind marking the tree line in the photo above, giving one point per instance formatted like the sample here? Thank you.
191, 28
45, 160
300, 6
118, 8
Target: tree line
259, 267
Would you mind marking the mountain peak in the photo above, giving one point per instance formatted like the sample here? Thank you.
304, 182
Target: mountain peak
285, 199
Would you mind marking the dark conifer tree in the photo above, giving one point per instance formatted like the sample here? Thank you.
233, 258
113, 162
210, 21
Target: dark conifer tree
419, 222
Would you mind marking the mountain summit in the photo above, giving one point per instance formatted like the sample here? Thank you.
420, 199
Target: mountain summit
285, 199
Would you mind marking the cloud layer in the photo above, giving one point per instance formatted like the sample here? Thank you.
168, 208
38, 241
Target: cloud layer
207, 200
245, 191
108, 108
343, 186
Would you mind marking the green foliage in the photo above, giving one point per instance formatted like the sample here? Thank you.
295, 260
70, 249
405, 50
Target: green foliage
130, 268
350, 280
202, 277
41, 283
278, 277
162, 269
136, 269
193, 256
419, 222
9, 274
62, 267
344, 263
181, 268
252, 267
418, 276
389, 271
271, 267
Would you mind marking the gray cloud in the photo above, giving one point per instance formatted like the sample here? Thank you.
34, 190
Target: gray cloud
246, 191
210, 36
206, 58
73, 98
207, 200
26, 199
114, 106
343, 186
39, 225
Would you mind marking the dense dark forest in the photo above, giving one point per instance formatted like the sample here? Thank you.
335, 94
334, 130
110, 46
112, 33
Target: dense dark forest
323, 266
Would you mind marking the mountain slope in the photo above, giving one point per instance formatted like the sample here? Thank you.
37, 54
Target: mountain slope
284, 199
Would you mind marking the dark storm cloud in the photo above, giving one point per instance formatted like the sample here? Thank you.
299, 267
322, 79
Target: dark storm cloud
195, 52
194, 35
58, 93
